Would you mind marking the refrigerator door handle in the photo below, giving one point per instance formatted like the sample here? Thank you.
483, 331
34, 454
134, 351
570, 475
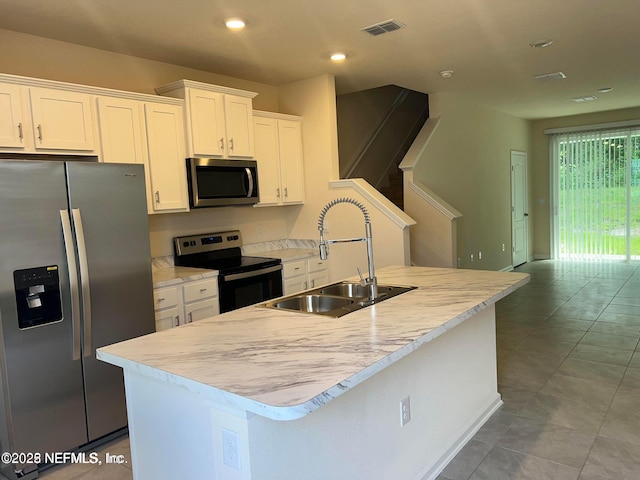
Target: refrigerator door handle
84, 279
73, 281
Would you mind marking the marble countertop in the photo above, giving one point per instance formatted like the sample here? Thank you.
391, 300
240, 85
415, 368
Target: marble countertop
168, 276
165, 274
283, 365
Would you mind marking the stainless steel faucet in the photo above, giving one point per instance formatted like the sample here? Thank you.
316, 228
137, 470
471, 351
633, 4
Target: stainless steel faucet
371, 282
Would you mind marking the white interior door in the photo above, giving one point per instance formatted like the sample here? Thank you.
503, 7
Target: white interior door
519, 233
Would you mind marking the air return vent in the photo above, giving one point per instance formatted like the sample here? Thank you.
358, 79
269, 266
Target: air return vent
383, 27
546, 77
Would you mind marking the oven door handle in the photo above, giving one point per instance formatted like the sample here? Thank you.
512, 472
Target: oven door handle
253, 273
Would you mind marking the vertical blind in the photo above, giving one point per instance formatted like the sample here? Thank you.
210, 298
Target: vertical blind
597, 194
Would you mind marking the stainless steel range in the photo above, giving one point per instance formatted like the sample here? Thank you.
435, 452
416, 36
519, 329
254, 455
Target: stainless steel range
243, 280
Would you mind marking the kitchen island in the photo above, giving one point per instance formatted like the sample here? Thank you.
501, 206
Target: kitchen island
259, 393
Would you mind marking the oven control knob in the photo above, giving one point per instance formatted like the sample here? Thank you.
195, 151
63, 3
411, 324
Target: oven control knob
185, 244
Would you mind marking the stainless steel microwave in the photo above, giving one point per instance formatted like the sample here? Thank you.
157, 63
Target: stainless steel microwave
217, 183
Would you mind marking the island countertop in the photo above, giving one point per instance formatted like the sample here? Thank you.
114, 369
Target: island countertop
283, 365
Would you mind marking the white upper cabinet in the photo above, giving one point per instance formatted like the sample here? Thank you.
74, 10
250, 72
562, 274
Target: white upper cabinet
218, 119
36, 119
239, 124
278, 140
206, 117
12, 122
62, 120
167, 166
121, 122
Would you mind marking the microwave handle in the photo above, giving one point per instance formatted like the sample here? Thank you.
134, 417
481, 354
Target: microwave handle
250, 178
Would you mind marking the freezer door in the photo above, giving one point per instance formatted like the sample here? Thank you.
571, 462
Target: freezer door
41, 382
110, 221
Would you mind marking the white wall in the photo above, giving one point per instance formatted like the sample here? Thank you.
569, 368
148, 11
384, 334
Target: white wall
467, 164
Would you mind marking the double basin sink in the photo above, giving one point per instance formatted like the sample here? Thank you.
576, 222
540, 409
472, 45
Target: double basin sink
335, 300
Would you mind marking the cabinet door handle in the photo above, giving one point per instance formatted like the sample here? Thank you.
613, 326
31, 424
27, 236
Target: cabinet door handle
20, 133
278, 192
286, 192
190, 318
221, 144
203, 290
306, 285
177, 320
40, 132
160, 300
231, 144
157, 196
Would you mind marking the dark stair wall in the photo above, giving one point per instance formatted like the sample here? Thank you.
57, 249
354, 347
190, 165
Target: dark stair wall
375, 130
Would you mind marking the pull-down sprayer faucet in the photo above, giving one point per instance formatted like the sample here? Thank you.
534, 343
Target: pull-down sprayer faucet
371, 282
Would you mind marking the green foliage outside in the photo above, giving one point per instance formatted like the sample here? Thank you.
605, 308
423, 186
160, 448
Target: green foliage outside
593, 196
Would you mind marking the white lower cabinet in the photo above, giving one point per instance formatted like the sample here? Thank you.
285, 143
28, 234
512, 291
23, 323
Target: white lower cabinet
168, 307
186, 303
299, 275
200, 300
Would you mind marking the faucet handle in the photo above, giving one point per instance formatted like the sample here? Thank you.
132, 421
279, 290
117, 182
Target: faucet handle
363, 282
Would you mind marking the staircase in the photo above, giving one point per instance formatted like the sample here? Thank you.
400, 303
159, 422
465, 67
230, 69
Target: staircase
376, 128
394, 191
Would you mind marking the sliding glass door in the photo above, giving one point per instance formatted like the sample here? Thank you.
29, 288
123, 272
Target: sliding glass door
597, 194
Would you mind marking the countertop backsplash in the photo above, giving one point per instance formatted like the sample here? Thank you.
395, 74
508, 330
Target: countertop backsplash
250, 249
253, 248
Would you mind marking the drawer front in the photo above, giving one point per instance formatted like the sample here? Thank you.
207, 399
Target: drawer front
292, 269
165, 297
317, 264
200, 290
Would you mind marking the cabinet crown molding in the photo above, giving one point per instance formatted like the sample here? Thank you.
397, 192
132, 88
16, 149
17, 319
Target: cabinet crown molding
181, 84
91, 90
277, 116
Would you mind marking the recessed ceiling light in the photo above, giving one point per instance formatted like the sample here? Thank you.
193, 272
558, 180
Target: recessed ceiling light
338, 57
235, 23
605, 90
541, 43
446, 73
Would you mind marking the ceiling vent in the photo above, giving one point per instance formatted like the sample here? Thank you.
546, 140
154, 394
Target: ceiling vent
383, 27
589, 98
545, 77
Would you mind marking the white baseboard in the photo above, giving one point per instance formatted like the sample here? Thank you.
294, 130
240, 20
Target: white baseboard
431, 473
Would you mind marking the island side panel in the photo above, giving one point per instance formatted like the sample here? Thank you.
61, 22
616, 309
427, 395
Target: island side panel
452, 386
169, 430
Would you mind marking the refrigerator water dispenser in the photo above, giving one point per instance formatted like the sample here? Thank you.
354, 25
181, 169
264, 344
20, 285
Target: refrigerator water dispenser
37, 296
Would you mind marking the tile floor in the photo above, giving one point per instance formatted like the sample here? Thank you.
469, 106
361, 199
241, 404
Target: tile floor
569, 375
85, 471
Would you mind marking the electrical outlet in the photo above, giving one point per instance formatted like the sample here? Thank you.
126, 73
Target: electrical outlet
231, 449
459, 262
405, 411
503, 247
479, 255
472, 258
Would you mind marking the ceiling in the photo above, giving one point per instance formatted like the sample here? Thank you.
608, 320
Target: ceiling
484, 42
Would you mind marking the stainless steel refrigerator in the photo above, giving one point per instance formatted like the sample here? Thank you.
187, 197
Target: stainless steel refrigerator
75, 275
